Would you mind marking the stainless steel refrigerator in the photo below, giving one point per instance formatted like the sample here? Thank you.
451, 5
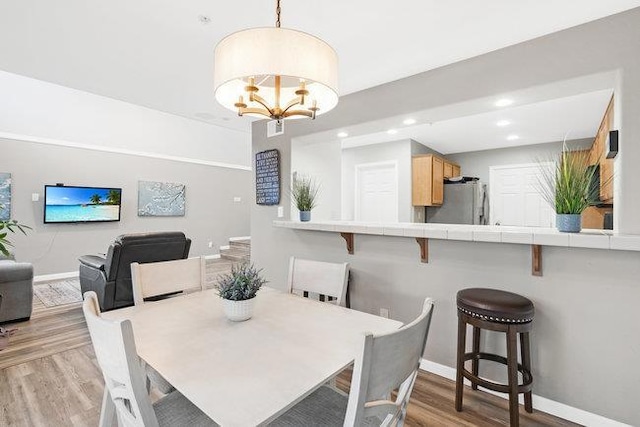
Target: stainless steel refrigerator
463, 204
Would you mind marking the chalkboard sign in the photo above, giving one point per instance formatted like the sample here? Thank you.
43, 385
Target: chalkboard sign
268, 177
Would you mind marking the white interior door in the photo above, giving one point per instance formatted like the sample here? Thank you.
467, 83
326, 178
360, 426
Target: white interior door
376, 192
515, 199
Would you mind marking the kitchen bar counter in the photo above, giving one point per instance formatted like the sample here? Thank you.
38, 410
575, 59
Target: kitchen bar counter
594, 239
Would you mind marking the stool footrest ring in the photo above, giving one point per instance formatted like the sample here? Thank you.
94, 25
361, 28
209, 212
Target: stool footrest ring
527, 378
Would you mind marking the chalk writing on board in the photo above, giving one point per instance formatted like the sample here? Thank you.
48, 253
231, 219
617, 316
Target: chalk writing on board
268, 177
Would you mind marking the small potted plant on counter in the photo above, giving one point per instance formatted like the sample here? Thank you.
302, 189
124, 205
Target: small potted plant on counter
568, 187
238, 291
304, 193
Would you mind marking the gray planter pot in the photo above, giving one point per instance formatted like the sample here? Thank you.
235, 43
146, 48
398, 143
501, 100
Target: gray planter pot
305, 216
569, 223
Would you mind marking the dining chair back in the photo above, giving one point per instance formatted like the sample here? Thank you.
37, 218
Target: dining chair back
124, 377
385, 363
166, 277
319, 278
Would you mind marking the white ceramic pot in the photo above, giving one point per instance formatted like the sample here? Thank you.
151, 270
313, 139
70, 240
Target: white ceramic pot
238, 311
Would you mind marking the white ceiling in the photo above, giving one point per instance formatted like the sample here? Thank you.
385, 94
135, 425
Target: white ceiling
573, 117
158, 54
539, 114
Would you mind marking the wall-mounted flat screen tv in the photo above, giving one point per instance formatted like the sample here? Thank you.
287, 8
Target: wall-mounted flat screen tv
69, 204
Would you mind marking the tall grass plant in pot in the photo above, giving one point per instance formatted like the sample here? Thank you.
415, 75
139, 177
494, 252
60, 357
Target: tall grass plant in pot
304, 193
238, 291
7, 226
568, 187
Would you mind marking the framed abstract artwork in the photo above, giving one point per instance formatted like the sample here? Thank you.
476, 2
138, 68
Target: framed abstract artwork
161, 198
5, 196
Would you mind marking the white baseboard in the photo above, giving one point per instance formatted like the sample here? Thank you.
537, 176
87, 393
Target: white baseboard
540, 403
58, 276
215, 256
225, 247
235, 239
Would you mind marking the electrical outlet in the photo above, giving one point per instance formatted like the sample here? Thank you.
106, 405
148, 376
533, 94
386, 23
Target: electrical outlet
35, 197
210, 244
384, 312
280, 211
237, 199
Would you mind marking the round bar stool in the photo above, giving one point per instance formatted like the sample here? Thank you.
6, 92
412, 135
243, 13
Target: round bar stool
500, 311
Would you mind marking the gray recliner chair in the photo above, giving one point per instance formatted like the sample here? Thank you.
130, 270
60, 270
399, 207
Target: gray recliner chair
110, 277
16, 290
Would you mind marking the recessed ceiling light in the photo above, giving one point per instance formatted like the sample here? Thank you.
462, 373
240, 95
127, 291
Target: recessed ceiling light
342, 134
503, 102
503, 123
392, 131
513, 137
409, 121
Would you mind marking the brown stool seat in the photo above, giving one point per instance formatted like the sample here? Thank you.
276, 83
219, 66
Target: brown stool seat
495, 305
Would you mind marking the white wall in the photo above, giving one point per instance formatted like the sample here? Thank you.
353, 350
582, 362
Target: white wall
211, 212
51, 134
322, 162
36, 110
477, 163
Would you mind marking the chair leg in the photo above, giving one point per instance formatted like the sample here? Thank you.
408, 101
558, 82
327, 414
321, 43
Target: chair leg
526, 363
476, 349
108, 411
512, 369
462, 337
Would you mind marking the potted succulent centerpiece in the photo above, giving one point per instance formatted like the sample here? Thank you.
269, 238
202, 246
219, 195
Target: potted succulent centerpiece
568, 187
238, 291
304, 193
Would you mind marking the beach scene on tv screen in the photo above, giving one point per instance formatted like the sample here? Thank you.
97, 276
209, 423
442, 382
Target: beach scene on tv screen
73, 204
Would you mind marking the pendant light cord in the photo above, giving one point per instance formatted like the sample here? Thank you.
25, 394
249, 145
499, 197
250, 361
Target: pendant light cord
277, 13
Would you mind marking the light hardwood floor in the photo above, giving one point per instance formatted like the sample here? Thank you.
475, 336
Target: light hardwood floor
49, 377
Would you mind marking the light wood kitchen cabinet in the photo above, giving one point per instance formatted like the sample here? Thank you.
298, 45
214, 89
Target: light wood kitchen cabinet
597, 155
427, 184
451, 169
438, 181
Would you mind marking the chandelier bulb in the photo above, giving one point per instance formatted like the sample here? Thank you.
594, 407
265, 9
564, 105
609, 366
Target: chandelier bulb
240, 104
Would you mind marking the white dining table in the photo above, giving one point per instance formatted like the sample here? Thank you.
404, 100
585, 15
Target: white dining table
248, 373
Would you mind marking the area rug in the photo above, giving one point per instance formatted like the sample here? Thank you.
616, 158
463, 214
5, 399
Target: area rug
59, 292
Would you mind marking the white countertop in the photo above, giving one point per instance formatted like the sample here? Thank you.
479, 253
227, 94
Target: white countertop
595, 239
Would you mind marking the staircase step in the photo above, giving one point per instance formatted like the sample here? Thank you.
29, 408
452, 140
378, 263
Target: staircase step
235, 255
240, 244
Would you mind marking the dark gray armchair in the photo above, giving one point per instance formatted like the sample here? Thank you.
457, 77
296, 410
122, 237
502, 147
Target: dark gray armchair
110, 277
16, 290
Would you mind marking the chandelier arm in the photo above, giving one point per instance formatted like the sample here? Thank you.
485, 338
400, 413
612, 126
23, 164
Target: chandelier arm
258, 99
295, 101
299, 113
252, 110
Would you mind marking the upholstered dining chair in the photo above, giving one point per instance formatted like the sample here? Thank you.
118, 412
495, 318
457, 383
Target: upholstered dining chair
318, 278
384, 363
125, 394
160, 278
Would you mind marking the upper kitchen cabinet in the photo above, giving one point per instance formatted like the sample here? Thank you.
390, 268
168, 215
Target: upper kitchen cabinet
428, 173
597, 155
451, 169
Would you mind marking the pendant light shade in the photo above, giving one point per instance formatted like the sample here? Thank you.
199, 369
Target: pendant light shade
276, 72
